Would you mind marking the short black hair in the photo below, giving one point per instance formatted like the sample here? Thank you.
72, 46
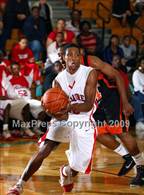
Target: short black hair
83, 23
61, 19
14, 63
76, 10
67, 46
62, 33
35, 7
126, 36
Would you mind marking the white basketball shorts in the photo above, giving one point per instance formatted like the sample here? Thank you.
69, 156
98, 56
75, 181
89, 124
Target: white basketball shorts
81, 135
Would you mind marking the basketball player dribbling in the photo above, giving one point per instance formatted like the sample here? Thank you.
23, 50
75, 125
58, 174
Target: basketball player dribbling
79, 83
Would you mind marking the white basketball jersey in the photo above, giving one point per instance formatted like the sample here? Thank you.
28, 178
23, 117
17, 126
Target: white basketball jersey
22, 91
74, 86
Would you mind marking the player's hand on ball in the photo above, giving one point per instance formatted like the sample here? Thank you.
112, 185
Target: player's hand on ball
127, 109
61, 115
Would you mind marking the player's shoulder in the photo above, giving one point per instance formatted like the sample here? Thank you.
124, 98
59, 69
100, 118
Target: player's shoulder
83, 67
61, 74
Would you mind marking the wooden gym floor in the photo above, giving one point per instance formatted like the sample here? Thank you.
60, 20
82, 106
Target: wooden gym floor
103, 180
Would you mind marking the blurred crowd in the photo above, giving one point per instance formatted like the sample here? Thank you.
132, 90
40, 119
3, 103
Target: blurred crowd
36, 58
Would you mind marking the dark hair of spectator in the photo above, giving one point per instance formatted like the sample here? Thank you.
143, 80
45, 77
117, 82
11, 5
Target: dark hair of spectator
141, 59
76, 10
23, 37
113, 36
61, 19
60, 33
35, 7
67, 46
14, 63
83, 23
57, 62
126, 36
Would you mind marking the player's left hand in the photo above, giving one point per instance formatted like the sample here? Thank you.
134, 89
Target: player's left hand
61, 115
127, 109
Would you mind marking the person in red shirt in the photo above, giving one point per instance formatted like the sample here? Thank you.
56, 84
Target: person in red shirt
20, 83
69, 36
25, 58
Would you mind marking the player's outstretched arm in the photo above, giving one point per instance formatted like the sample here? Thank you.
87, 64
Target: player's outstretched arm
108, 70
90, 91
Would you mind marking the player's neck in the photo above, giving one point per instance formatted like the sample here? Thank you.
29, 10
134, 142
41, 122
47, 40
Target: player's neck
72, 72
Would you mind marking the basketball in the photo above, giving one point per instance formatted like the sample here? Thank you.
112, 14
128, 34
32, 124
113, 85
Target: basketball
54, 100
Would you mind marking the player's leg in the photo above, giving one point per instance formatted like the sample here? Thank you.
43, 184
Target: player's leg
33, 165
6, 132
108, 140
66, 177
26, 115
131, 145
80, 152
116, 120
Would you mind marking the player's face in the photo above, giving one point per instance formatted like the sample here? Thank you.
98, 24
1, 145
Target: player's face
23, 43
72, 59
15, 70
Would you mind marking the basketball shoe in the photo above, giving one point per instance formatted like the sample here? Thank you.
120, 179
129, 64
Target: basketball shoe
139, 179
127, 166
16, 190
66, 179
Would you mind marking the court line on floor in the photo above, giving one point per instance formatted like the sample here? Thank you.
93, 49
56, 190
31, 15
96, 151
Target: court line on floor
105, 172
8, 145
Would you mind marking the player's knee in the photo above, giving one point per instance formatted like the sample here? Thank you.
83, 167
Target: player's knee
47, 148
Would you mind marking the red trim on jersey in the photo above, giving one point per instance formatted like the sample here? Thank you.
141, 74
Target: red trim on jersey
88, 169
71, 86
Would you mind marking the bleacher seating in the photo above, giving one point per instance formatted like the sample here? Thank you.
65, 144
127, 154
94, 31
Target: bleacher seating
89, 11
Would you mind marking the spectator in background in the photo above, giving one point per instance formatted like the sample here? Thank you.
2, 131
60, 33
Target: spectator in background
112, 49
87, 39
73, 24
69, 36
45, 12
129, 51
25, 58
35, 31
138, 98
1, 23
2, 10
51, 73
139, 6
4, 120
52, 50
117, 63
15, 14
121, 10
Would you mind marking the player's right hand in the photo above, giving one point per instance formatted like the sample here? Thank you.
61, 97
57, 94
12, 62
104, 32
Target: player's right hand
128, 109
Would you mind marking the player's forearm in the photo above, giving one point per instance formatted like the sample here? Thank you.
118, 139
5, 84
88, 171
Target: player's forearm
83, 107
121, 89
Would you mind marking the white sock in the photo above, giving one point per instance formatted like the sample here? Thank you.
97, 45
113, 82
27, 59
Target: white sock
66, 170
121, 150
139, 159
